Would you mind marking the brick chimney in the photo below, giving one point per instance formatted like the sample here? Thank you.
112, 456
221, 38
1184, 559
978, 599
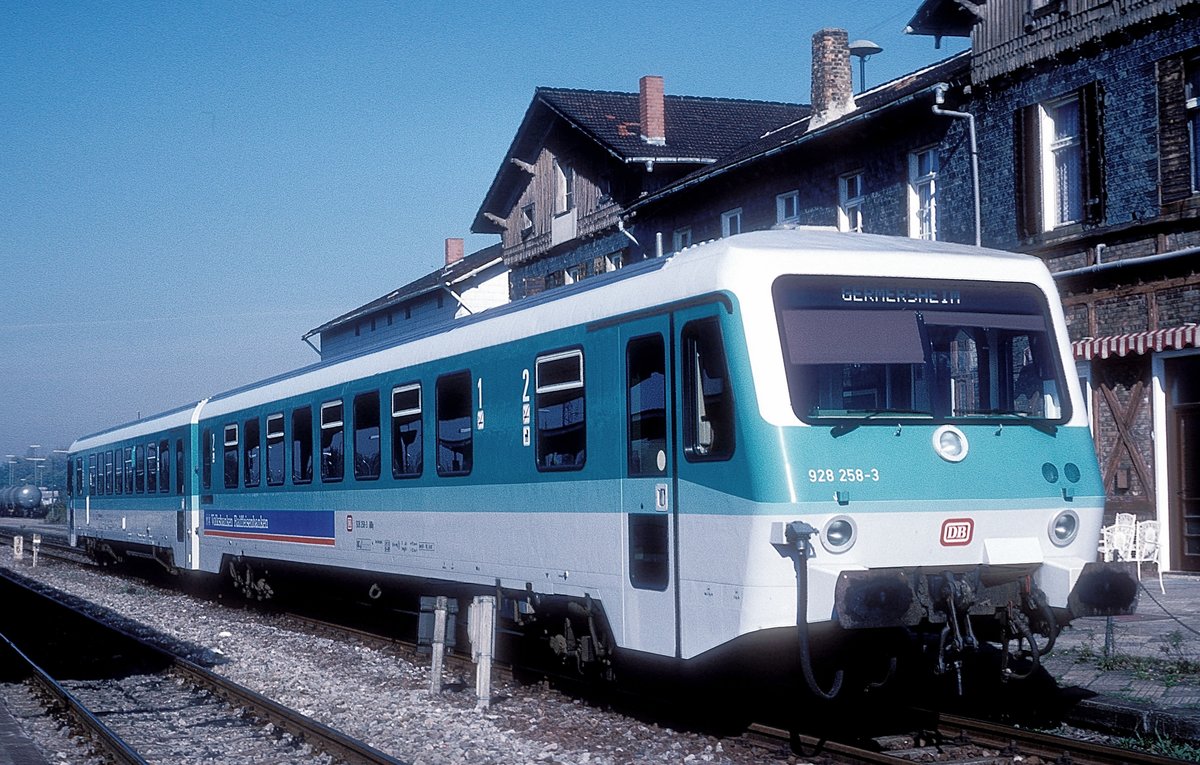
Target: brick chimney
832, 87
653, 110
454, 251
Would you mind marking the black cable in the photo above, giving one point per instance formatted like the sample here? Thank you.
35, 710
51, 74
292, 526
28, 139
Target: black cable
1175, 618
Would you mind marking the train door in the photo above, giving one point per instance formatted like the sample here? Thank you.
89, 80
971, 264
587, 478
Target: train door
648, 497
1183, 443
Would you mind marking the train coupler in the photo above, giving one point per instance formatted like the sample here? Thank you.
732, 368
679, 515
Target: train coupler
1105, 589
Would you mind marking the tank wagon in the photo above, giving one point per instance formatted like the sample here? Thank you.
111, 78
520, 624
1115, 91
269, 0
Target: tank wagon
793, 445
21, 502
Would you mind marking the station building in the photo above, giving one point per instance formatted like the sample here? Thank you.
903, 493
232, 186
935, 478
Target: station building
1070, 130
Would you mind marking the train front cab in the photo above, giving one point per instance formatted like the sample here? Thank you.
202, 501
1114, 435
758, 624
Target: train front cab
943, 478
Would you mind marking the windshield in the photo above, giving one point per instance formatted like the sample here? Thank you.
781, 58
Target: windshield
866, 347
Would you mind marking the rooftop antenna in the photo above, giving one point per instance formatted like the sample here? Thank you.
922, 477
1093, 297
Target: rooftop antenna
863, 50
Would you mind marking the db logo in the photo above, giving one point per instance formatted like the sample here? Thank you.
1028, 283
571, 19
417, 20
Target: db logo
350, 523
957, 532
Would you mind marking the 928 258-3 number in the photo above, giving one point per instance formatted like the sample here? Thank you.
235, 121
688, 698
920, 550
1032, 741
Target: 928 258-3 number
843, 475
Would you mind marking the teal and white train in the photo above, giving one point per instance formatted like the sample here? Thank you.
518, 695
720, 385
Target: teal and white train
790, 442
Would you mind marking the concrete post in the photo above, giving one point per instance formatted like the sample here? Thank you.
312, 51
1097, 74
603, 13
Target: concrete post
481, 627
18, 548
439, 644
37, 542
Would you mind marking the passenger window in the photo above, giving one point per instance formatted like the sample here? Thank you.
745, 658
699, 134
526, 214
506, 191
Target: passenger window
275, 449
407, 454
70, 477
332, 447
302, 445
648, 558
561, 431
139, 469
707, 398
128, 469
108, 472
454, 433
646, 386
151, 467
252, 447
231, 456
179, 466
366, 436
118, 472
164, 466
92, 474
207, 455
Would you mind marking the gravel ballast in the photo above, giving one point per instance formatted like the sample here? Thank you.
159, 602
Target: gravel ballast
369, 693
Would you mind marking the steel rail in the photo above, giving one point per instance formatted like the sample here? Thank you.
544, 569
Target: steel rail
100, 733
1045, 745
318, 734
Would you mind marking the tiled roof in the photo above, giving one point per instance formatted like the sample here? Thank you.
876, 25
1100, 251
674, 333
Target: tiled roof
424, 284
697, 128
886, 95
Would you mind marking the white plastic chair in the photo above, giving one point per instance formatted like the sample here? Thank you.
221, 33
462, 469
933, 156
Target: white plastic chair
1148, 549
1118, 541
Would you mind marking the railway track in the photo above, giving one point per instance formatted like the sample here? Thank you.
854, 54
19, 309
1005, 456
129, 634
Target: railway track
139, 703
953, 740
939, 737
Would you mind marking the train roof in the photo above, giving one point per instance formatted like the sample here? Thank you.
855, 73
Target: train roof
706, 268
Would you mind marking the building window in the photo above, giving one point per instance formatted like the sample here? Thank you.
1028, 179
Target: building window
922, 194
613, 261
332, 442
454, 434
681, 238
1062, 161
787, 207
1061, 166
731, 222
564, 187
527, 213
1192, 96
561, 427
574, 274
407, 456
850, 202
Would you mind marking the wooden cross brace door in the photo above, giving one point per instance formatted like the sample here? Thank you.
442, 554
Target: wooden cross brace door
1124, 418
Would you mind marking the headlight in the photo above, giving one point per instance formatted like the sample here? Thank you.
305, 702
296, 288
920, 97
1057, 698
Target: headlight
839, 534
950, 443
1064, 527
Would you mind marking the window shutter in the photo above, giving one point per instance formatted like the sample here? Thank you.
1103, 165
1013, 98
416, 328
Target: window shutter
1091, 108
1174, 150
1028, 170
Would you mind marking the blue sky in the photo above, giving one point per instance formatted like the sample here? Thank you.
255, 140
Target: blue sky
186, 188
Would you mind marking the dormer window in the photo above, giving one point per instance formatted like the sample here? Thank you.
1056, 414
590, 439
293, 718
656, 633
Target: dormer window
527, 219
564, 187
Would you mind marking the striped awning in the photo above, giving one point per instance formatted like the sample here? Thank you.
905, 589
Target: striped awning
1156, 340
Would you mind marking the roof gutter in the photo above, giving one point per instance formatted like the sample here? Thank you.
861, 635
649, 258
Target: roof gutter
1115, 265
852, 119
